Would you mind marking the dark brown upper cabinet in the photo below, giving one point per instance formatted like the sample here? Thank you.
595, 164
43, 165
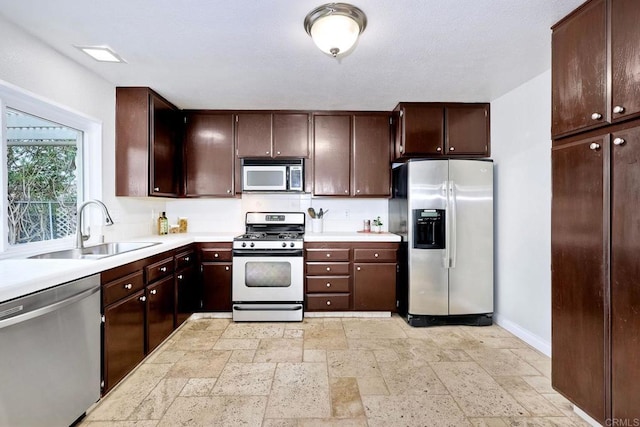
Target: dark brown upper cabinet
352, 154
147, 144
595, 74
265, 134
209, 158
426, 129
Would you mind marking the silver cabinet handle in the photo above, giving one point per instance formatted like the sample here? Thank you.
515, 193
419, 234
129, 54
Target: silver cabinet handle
142, 298
357, 191
328, 255
226, 268
619, 141
266, 152
358, 268
375, 255
452, 148
216, 255
596, 116
156, 188
228, 191
346, 191
163, 269
618, 109
186, 259
180, 276
128, 286
328, 268
439, 149
328, 285
278, 153
153, 291
328, 302
594, 146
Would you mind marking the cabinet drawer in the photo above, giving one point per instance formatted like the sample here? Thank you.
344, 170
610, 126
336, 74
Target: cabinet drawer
159, 270
122, 287
215, 254
331, 302
327, 284
185, 259
327, 254
328, 268
375, 255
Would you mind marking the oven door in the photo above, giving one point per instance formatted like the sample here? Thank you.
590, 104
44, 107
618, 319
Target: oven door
265, 276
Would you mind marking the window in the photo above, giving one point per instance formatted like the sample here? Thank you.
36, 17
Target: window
42, 178
50, 162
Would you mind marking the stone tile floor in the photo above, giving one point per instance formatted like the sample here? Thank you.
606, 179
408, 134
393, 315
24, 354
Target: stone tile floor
337, 372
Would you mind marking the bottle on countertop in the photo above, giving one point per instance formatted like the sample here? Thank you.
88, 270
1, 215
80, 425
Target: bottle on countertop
163, 224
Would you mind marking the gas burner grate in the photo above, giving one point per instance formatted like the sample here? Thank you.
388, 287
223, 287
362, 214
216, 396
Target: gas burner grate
289, 236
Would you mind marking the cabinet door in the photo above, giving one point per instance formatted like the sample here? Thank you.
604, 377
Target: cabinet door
216, 286
467, 130
161, 311
371, 156
123, 338
625, 65
164, 148
253, 135
187, 294
374, 286
625, 275
209, 155
332, 154
422, 130
579, 287
579, 70
291, 135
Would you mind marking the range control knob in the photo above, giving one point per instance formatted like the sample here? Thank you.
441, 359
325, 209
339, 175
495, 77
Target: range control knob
292, 244
244, 244
252, 244
284, 244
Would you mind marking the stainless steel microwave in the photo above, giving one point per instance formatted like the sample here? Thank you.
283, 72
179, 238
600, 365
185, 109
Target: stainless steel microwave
273, 175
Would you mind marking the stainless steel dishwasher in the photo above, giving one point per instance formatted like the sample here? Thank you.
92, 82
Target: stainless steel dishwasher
50, 354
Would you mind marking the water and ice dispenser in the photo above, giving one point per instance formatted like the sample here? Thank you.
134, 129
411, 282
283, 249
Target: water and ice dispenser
429, 228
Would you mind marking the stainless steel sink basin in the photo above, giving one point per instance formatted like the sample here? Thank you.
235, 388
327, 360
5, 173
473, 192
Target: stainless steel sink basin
96, 252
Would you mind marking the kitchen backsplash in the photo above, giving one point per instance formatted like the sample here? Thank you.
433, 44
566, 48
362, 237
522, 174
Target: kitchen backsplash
227, 215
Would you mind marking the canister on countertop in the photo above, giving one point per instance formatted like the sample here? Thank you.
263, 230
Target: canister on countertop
367, 225
182, 225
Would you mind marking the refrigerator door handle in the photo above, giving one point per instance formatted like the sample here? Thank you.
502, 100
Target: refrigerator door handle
453, 229
446, 260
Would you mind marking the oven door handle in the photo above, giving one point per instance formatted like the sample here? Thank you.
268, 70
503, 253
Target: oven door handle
268, 253
267, 308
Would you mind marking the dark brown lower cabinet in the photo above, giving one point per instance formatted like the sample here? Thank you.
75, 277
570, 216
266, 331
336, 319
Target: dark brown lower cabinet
123, 337
374, 286
187, 294
216, 280
160, 311
595, 268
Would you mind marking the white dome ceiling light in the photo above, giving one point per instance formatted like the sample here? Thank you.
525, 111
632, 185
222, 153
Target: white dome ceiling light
335, 27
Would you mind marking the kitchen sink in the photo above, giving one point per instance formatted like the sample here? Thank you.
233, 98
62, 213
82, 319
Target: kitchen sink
102, 250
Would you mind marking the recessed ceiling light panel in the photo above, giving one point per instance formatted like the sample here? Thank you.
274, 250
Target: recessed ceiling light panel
101, 53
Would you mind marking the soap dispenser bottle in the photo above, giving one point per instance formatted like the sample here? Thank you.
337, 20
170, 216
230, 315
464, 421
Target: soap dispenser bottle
163, 224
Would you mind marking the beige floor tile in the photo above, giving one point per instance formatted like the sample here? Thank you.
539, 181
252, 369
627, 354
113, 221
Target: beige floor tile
416, 350
157, 402
299, 390
237, 344
352, 363
135, 423
372, 386
245, 379
217, 324
541, 384
345, 398
293, 333
528, 397
254, 330
322, 338
215, 411
488, 422
501, 362
333, 422
372, 328
542, 422
279, 350
194, 340
280, 422
198, 387
314, 355
422, 411
371, 344
449, 337
162, 355
477, 393
386, 355
541, 362
199, 364
242, 356
561, 403
411, 378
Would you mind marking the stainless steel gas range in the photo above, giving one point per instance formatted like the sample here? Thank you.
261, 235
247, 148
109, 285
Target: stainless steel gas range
268, 268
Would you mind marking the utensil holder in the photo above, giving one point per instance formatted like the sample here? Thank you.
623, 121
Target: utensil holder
317, 225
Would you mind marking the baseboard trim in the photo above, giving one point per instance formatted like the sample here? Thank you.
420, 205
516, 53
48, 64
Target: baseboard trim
586, 417
525, 335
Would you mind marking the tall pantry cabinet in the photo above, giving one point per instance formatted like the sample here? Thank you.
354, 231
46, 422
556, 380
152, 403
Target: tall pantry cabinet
595, 216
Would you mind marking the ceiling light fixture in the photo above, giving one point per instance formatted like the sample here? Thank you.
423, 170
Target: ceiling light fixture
335, 27
101, 53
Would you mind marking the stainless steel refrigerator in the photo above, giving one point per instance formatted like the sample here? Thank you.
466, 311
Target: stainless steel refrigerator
443, 209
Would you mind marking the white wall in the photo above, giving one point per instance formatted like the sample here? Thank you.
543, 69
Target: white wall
521, 148
31, 65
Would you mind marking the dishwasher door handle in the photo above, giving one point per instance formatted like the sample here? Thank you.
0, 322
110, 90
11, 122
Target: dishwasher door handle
41, 311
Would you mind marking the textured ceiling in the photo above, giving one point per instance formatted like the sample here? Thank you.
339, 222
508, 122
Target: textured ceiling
256, 54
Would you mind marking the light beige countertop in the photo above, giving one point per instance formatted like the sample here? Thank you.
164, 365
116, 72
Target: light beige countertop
20, 276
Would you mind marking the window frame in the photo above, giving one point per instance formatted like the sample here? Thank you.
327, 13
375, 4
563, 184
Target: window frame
91, 169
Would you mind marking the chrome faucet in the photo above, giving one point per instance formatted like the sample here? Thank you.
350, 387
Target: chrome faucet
80, 237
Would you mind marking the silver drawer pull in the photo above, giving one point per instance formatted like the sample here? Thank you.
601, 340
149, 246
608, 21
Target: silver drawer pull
594, 146
163, 269
328, 302
128, 286
619, 141
186, 259
375, 255
143, 298
596, 116
153, 291
328, 285
328, 268
618, 109
328, 255
216, 255
227, 268
156, 188
180, 276
358, 269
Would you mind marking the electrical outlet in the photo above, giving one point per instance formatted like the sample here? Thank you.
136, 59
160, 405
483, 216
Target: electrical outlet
347, 214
